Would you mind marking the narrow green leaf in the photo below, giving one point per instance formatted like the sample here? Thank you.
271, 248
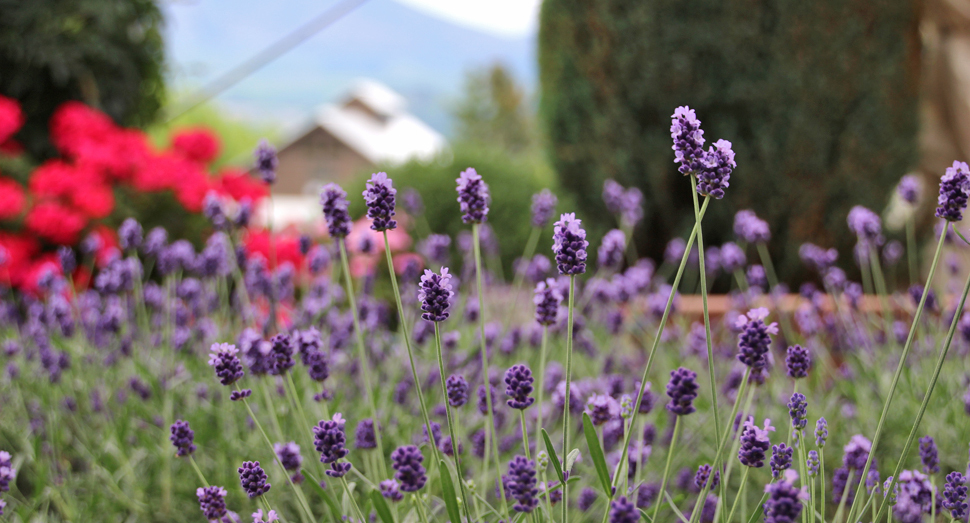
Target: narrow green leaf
596, 454
571, 460
553, 457
757, 510
380, 506
645, 516
677, 511
448, 492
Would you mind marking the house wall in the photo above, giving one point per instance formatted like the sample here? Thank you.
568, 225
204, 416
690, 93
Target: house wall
315, 159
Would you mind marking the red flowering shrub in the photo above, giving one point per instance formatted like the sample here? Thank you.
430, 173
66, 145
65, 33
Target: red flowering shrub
198, 145
103, 167
11, 199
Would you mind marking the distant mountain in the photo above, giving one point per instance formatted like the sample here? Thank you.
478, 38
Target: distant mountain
422, 57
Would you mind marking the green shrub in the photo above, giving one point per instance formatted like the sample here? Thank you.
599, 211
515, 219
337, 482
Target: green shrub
819, 99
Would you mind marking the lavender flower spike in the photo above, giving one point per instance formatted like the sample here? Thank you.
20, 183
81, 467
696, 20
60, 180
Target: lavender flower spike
472, 196
223, 358
682, 390
754, 444
212, 502
569, 245
182, 438
521, 483
435, 295
910, 188
253, 479
955, 495
953, 192
543, 206
547, 299
715, 172
610, 253
266, 161
685, 130
784, 504
379, 197
754, 341
406, 461
518, 381
333, 199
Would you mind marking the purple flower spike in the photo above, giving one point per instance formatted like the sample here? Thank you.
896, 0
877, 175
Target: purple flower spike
129, 235
928, 455
781, 457
754, 444
391, 490
784, 504
610, 253
289, 455
252, 477
682, 390
751, 229
435, 295
812, 463
521, 484
406, 460
732, 258
569, 245
821, 432
182, 438
703, 474
798, 361
910, 188
547, 300
266, 161
379, 197
518, 381
955, 495
754, 340
543, 207
953, 192
866, 225
685, 130
457, 387
364, 436
222, 357
333, 199
623, 511
330, 441
602, 409
472, 196
715, 172
798, 411
212, 502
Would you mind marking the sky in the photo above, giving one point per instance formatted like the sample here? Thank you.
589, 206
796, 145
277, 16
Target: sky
513, 18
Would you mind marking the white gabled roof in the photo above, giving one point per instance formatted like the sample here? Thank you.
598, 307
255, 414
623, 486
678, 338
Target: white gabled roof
395, 138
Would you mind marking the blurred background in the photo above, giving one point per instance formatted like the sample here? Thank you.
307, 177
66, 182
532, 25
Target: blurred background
828, 104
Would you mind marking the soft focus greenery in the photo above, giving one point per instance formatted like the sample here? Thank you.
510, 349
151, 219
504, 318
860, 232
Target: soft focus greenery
818, 98
107, 54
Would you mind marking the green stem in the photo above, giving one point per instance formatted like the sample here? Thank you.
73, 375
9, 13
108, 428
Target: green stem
569, 368
929, 391
911, 247
353, 501
773, 282
734, 506
530, 249
845, 497
268, 400
880, 281
361, 349
821, 477
452, 430
902, 360
490, 428
656, 340
541, 384
525, 434
198, 470
670, 458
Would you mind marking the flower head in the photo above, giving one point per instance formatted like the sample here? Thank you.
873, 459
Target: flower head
435, 295
333, 199
547, 300
784, 503
266, 161
472, 196
682, 390
754, 444
518, 381
751, 229
781, 458
391, 490
569, 245
928, 455
182, 438
543, 207
821, 432
212, 501
364, 436
610, 253
457, 387
602, 409
715, 170
222, 357
955, 495
910, 188
623, 511
953, 192
406, 461
685, 130
866, 225
798, 361
330, 441
252, 477
521, 484
798, 411
754, 341
379, 197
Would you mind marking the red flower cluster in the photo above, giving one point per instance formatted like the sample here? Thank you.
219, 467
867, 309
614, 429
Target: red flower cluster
68, 196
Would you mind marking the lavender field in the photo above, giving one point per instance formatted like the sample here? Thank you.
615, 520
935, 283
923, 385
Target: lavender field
219, 385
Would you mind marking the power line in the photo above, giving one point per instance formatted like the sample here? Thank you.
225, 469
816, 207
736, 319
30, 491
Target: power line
268, 54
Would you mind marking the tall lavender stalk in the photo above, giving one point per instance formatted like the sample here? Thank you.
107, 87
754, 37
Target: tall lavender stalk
569, 244
333, 199
929, 391
473, 197
954, 186
682, 390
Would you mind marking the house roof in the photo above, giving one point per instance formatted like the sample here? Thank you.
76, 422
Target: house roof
384, 132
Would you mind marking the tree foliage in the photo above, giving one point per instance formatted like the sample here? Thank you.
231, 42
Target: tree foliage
819, 99
106, 53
